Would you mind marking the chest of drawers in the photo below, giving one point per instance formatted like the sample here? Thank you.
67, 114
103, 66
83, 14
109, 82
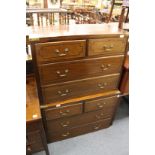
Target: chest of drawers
78, 78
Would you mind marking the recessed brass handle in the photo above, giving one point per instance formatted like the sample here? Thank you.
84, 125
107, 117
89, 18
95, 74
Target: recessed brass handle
105, 67
66, 134
63, 94
99, 105
62, 75
65, 124
62, 54
102, 86
108, 48
96, 127
64, 113
29, 148
99, 116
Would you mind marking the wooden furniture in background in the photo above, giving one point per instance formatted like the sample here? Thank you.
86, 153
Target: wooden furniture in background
47, 15
123, 19
113, 4
124, 85
35, 134
78, 70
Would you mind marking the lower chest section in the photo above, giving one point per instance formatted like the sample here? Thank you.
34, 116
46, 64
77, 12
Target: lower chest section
79, 118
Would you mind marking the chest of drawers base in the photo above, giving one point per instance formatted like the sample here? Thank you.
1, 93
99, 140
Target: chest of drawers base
76, 70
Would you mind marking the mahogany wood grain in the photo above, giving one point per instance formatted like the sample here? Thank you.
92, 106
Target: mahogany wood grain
79, 99
102, 103
106, 46
56, 51
52, 137
32, 101
64, 111
78, 88
34, 128
79, 69
70, 32
75, 121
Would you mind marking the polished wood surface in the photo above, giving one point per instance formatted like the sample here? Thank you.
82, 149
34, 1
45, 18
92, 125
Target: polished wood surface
124, 84
75, 121
57, 32
83, 98
78, 88
35, 134
32, 101
52, 137
63, 111
89, 79
79, 69
56, 51
106, 46
102, 103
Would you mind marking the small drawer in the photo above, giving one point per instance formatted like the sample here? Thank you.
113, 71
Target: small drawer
79, 131
79, 88
102, 103
62, 50
106, 46
75, 121
54, 113
79, 69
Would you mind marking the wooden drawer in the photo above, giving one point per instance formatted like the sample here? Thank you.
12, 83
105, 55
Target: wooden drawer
80, 130
71, 122
79, 69
106, 46
34, 141
79, 88
102, 103
54, 113
62, 50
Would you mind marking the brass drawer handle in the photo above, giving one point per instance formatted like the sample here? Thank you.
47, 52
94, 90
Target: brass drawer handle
108, 48
29, 148
65, 112
105, 67
62, 54
99, 116
65, 124
65, 134
96, 127
63, 94
62, 75
102, 86
99, 105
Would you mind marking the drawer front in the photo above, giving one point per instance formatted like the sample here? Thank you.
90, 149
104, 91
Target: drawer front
71, 122
106, 46
54, 113
79, 69
34, 141
34, 137
62, 50
80, 130
80, 88
102, 103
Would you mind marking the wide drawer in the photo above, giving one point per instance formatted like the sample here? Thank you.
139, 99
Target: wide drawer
80, 130
79, 69
54, 113
71, 122
62, 50
102, 103
106, 46
79, 88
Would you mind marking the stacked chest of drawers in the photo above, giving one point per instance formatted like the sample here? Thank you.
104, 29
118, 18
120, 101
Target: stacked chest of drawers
77, 80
